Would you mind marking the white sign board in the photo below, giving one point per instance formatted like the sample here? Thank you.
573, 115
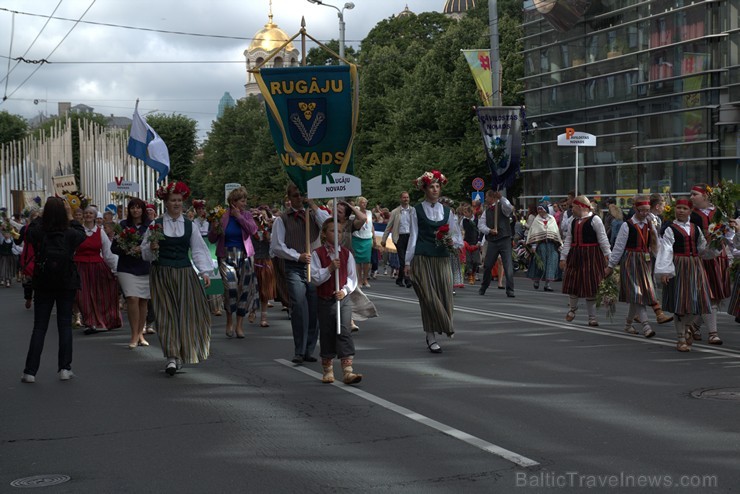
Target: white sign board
123, 186
334, 185
64, 182
228, 188
573, 138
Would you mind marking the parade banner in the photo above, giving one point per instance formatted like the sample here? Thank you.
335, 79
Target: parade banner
480, 65
64, 182
501, 128
312, 112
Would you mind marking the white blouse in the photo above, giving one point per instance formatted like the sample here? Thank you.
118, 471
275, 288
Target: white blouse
598, 227
319, 274
175, 227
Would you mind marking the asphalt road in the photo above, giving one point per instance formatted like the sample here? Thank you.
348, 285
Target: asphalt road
520, 400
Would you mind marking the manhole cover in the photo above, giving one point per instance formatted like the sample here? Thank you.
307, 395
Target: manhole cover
40, 481
723, 394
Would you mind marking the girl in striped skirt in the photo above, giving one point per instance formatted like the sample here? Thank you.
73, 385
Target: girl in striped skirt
680, 269
636, 243
428, 258
584, 258
262, 263
179, 300
97, 300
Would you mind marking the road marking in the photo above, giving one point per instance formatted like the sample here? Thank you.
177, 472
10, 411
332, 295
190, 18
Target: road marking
612, 333
421, 419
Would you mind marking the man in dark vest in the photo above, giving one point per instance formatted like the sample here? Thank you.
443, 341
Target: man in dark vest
288, 242
495, 224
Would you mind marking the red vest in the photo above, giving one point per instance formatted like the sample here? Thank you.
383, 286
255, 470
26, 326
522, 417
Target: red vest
326, 289
90, 249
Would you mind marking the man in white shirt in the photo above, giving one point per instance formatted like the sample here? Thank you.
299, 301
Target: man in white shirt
399, 228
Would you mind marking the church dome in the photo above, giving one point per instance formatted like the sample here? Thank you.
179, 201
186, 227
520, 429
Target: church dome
458, 6
270, 38
406, 12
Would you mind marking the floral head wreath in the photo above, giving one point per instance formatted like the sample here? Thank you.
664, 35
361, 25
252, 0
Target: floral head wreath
174, 187
430, 177
199, 203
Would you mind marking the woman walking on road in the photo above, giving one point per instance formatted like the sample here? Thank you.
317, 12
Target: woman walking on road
180, 304
55, 280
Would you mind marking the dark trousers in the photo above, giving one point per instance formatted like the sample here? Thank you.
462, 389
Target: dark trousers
42, 305
303, 317
27, 288
401, 247
333, 344
502, 247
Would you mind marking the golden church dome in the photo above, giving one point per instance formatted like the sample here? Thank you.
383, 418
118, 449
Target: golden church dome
269, 38
458, 6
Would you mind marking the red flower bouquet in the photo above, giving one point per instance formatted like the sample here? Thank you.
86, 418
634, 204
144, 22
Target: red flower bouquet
443, 238
155, 235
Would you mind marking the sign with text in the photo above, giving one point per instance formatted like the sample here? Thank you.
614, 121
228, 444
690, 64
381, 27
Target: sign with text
334, 185
121, 185
573, 138
64, 182
228, 188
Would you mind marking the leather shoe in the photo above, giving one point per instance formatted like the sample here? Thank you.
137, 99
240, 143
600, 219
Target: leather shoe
510, 295
90, 331
408, 284
481, 291
548, 289
309, 358
297, 359
400, 283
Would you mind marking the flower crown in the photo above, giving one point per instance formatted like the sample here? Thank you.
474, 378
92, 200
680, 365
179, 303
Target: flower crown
430, 177
174, 187
199, 203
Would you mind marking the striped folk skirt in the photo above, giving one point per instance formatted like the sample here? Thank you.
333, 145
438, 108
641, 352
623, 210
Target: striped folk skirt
636, 284
734, 308
546, 268
265, 273
97, 300
584, 270
688, 291
8, 267
181, 313
240, 283
431, 278
281, 284
718, 276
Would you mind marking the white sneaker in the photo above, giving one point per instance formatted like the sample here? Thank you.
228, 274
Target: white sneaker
28, 378
66, 375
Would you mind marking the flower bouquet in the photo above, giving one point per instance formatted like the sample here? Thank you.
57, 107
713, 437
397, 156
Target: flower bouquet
608, 293
723, 196
128, 240
214, 216
443, 238
155, 235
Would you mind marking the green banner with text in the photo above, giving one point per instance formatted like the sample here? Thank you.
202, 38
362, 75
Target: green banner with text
313, 114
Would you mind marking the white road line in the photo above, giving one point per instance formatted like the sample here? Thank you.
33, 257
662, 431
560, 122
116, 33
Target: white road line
410, 414
566, 325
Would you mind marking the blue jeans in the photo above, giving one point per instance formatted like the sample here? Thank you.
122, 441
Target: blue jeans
303, 310
42, 304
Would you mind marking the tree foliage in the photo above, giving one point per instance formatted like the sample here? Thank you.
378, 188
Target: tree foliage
12, 127
319, 56
179, 133
240, 149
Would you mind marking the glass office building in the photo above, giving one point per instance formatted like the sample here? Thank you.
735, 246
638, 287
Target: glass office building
658, 83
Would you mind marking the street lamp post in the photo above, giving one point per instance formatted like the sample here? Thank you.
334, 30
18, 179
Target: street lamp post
340, 14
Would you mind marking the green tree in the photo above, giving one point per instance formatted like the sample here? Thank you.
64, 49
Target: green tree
179, 133
239, 148
12, 127
319, 56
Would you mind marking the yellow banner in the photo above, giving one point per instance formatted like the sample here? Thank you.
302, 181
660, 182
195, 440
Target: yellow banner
480, 65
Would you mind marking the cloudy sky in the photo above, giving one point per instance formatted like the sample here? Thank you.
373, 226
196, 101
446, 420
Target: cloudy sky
106, 66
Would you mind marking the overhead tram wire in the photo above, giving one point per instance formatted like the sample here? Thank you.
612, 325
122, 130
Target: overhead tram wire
52, 51
10, 70
163, 31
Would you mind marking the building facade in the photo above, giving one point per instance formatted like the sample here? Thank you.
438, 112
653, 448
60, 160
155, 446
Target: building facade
658, 83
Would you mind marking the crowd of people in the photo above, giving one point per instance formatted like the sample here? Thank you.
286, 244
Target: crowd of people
159, 268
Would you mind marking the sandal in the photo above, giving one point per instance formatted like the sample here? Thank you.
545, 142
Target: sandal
229, 332
593, 323
434, 346
263, 321
630, 329
695, 332
714, 339
252, 316
682, 346
570, 315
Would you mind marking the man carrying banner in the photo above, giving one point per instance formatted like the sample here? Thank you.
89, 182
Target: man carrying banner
495, 224
289, 243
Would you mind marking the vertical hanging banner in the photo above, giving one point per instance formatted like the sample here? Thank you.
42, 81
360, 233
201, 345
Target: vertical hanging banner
313, 114
501, 128
480, 65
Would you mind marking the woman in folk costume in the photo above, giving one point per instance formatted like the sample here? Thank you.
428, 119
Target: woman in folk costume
543, 237
717, 268
455, 264
179, 301
680, 269
351, 219
97, 300
326, 265
635, 245
428, 260
263, 267
133, 272
584, 257
216, 301
235, 254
